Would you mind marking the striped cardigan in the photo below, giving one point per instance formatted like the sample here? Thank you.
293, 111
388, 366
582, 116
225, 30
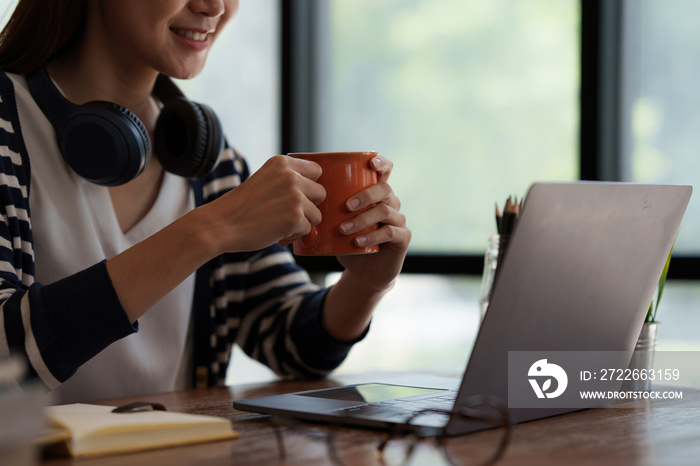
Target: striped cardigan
260, 300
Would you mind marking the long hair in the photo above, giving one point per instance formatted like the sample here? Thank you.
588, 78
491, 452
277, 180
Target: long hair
39, 30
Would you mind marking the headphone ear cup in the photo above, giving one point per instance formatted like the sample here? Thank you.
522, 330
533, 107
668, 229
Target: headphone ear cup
105, 143
188, 138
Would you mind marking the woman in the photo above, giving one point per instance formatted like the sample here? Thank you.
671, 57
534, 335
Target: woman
81, 262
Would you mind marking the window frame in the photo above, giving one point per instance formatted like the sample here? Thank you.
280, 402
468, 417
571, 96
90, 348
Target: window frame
602, 119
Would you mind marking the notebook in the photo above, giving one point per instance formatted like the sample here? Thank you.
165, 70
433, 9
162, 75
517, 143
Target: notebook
82, 430
578, 276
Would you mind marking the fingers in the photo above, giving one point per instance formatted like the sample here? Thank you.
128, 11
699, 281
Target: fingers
313, 191
301, 222
287, 196
387, 234
312, 214
309, 172
285, 242
380, 192
383, 166
381, 213
392, 227
293, 175
383, 207
305, 168
302, 217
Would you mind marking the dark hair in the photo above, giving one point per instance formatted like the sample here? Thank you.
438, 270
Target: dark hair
38, 31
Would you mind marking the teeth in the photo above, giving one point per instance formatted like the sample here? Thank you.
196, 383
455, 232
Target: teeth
193, 35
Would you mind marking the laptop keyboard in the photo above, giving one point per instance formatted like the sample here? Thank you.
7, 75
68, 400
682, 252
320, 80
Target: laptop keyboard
401, 409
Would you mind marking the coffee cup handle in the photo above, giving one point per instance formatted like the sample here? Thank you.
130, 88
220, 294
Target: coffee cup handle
311, 240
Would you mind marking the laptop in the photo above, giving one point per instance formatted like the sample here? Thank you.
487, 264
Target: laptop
580, 271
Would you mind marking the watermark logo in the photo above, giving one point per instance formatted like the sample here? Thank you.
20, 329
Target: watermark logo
544, 371
589, 379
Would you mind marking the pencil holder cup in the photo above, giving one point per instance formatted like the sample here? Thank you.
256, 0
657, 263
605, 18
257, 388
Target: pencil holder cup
643, 358
489, 275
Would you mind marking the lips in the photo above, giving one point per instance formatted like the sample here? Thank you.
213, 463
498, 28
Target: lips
192, 35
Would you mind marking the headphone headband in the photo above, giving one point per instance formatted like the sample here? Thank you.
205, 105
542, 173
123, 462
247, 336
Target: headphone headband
108, 145
50, 100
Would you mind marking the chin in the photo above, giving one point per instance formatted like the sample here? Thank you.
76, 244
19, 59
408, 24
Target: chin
183, 71
183, 74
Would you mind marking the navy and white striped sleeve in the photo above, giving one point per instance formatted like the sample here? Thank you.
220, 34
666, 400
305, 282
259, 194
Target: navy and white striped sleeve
278, 316
268, 305
56, 327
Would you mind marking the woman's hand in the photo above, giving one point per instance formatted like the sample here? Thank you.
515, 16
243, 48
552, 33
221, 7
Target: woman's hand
278, 203
367, 277
377, 271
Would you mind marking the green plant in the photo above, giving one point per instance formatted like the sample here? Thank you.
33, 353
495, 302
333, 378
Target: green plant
651, 313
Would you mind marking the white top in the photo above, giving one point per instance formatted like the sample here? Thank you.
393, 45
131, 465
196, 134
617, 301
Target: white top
74, 227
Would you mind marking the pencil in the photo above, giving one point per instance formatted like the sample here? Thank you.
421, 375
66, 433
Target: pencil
505, 225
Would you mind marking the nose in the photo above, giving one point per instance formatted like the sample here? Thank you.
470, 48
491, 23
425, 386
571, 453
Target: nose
212, 8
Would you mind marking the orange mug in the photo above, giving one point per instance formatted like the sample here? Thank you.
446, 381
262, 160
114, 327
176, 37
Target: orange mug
344, 175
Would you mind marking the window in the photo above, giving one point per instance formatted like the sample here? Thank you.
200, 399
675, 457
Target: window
6, 8
660, 117
662, 110
472, 100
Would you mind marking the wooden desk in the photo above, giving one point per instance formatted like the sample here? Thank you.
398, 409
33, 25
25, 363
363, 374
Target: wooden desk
651, 433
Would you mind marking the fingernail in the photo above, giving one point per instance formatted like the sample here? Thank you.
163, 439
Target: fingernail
353, 203
360, 240
346, 227
376, 162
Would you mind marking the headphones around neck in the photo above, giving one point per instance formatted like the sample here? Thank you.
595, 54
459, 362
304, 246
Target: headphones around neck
107, 144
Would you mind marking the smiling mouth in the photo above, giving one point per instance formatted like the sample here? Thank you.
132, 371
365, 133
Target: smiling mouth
192, 35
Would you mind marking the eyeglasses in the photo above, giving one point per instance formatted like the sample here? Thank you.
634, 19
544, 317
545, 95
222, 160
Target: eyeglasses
490, 410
